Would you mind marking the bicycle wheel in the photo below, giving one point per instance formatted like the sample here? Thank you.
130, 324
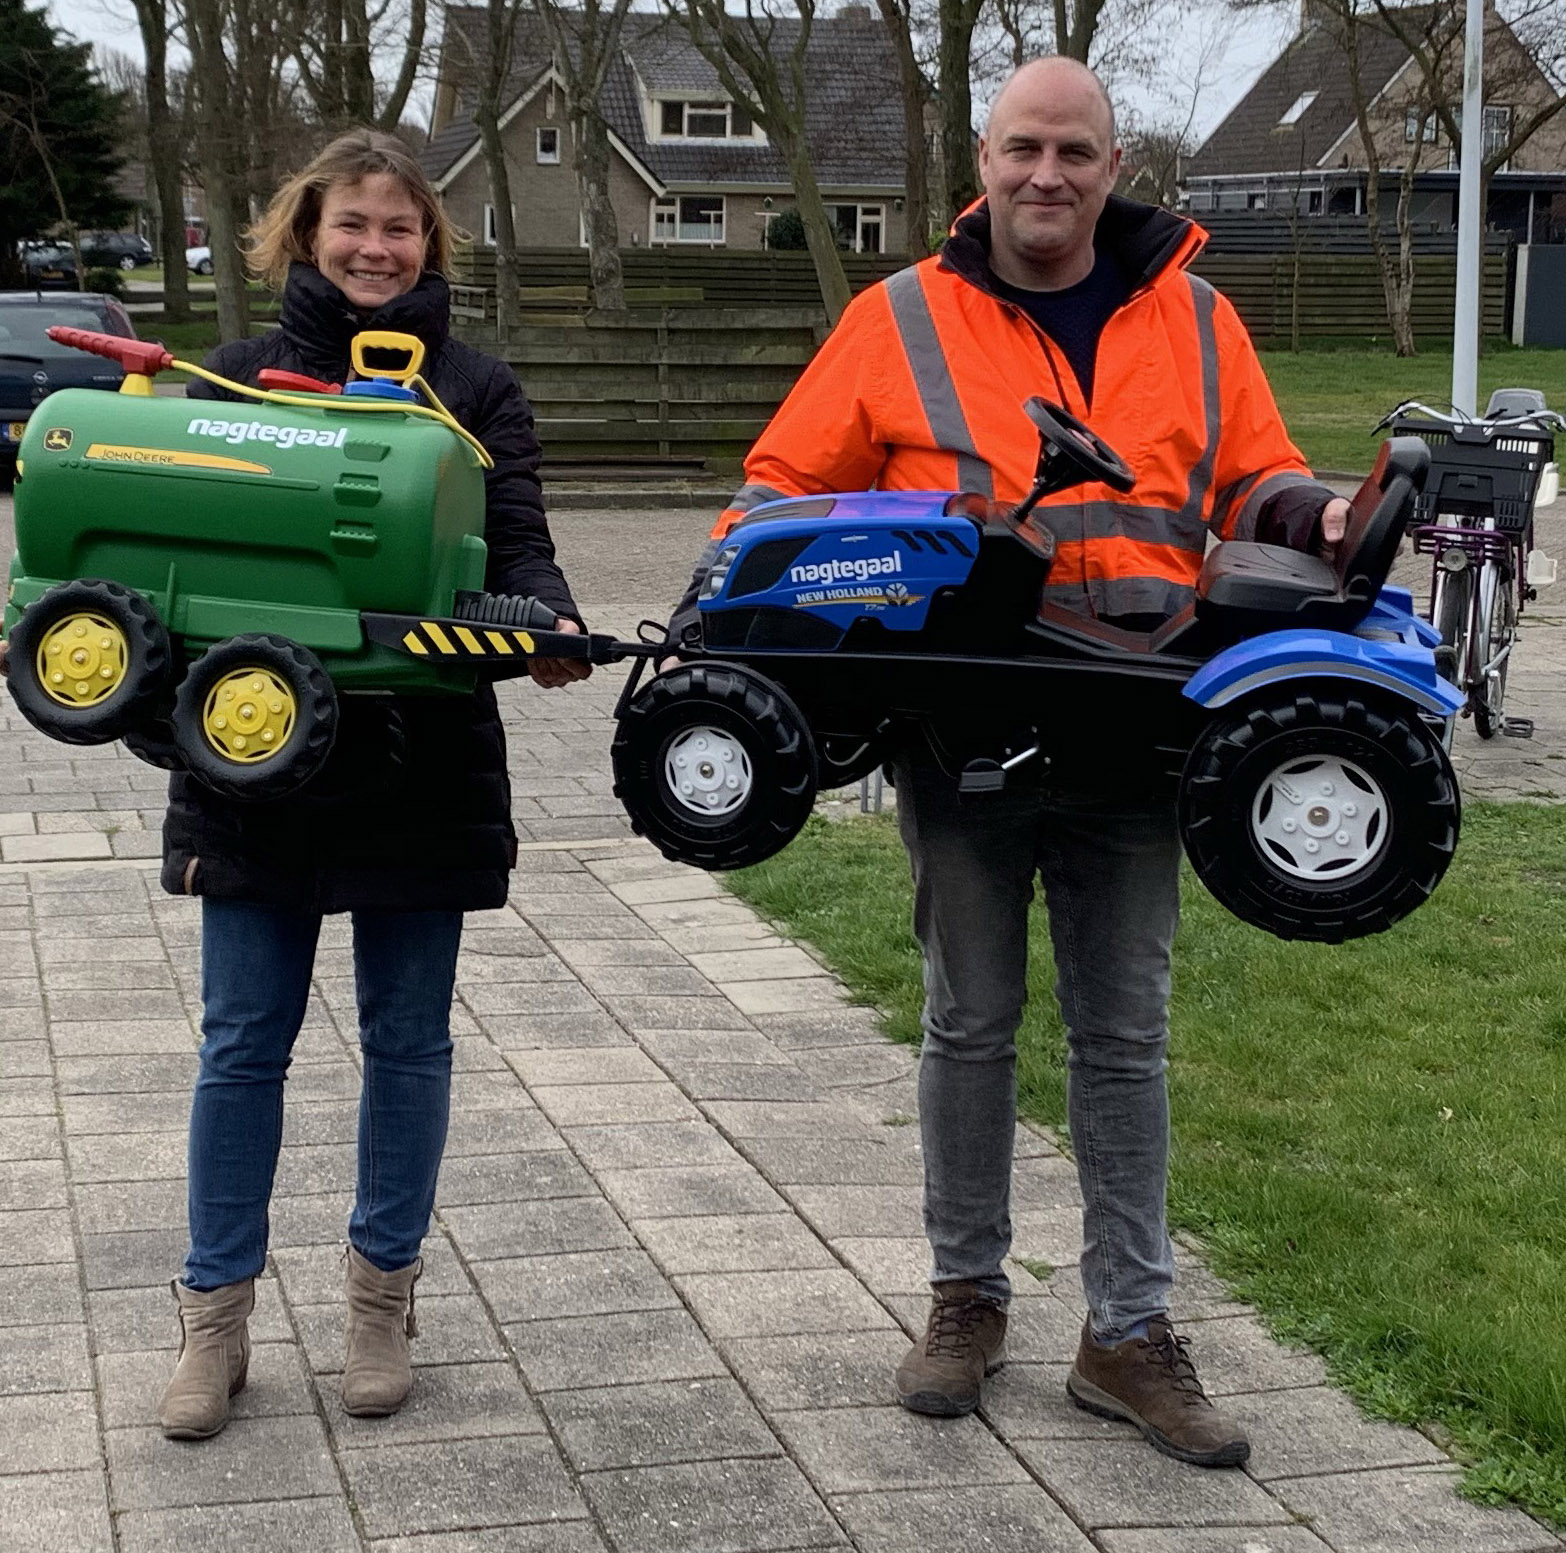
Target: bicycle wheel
1450, 606
1494, 632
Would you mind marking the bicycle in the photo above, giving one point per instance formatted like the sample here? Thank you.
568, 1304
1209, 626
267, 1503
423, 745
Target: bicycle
1475, 520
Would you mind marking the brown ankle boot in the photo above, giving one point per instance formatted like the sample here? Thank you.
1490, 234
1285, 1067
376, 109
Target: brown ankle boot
963, 1341
378, 1373
214, 1359
1150, 1382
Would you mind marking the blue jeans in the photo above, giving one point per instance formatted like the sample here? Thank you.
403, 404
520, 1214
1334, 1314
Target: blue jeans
1110, 872
256, 963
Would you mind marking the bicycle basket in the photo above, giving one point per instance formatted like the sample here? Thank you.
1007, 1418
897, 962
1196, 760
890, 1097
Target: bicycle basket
1478, 470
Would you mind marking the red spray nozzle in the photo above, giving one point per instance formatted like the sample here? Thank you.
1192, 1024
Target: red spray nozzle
276, 378
143, 356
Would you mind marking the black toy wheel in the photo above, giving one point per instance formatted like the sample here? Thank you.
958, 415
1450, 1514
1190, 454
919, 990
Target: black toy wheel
845, 761
715, 766
154, 743
1327, 817
89, 660
1489, 694
255, 717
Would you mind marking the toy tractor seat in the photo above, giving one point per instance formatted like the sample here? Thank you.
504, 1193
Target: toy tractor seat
1246, 587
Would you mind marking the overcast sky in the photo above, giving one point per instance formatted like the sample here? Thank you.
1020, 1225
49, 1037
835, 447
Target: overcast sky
1250, 41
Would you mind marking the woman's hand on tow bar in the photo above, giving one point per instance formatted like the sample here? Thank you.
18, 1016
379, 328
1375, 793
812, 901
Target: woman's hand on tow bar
552, 673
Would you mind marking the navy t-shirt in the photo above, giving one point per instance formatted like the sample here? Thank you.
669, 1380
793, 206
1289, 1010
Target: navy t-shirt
1074, 318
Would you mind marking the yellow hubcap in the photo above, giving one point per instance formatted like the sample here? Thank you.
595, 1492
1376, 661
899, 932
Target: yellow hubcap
82, 660
249, 715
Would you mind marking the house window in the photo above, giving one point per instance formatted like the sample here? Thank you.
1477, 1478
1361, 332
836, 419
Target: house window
678, 120
1313, 203
489, 224
707, 120
1420, 125
858, 228
1297, 108
1255, 201
689, 218
1497, 128
549, 145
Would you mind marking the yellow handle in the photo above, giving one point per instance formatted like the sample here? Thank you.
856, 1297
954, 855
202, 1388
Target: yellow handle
408, 345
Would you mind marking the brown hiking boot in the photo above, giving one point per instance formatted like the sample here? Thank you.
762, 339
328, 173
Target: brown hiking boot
963, 1342
377, 1370
1151, 1382
214, 1359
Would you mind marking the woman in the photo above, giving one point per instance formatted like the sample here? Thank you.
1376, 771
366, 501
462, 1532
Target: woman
407, 826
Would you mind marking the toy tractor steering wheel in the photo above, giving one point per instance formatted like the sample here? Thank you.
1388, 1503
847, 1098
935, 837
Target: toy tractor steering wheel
1072, 454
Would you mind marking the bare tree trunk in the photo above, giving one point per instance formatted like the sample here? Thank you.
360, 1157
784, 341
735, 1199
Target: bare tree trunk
413, 47
583, 68
1386, 263
954, 54
605, 272
916, 156
773, 90
492, 79
1078, 38
358, 81
1403, 290
210, 72
820, 238
163, 158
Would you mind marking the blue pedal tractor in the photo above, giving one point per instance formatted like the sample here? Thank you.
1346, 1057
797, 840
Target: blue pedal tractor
1295, 703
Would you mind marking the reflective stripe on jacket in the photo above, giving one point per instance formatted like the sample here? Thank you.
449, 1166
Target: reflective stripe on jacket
921, 387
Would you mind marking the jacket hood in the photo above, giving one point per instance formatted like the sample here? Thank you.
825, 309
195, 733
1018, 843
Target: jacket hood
319, 321
1145, 240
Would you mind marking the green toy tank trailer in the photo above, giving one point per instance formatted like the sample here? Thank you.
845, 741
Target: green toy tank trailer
203, 580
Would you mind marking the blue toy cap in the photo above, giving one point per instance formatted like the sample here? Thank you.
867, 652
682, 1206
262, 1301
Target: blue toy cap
380, 388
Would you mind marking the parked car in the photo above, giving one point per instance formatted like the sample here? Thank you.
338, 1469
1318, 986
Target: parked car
115, 250
32, 366
198, 260
50, 266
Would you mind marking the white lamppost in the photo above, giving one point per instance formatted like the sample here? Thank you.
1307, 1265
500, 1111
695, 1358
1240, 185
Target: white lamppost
1470, 220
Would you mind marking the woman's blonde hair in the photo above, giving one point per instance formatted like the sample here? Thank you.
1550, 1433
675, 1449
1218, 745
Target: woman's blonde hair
286, 231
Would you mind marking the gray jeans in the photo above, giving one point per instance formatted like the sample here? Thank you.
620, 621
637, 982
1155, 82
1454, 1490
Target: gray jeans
1110, 872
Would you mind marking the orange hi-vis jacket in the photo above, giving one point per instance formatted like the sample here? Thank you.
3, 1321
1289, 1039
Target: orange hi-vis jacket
922, 383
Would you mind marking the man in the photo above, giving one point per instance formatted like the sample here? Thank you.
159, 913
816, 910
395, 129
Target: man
1051, 286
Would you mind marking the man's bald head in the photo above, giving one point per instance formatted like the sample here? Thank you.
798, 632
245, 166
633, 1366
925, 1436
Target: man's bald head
1052, 75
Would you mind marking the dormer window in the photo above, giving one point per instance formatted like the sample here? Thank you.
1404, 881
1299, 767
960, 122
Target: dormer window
680, 119
1297, 108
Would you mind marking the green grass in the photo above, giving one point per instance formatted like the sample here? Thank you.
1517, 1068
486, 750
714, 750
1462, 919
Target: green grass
1330, 398
1369, 1139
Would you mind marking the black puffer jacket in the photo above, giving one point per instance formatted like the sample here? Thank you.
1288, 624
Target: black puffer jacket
413, 808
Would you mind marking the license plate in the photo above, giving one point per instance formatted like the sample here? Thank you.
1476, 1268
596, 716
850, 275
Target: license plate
14, 430
51, 274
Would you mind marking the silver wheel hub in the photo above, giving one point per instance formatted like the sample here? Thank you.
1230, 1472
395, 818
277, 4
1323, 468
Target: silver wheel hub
1320, 818
708, 771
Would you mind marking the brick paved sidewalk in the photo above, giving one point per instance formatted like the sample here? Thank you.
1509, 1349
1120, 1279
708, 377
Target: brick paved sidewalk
677, 1247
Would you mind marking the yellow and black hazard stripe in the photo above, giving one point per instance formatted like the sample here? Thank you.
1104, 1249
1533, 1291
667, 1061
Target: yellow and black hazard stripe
455, 643
448, 639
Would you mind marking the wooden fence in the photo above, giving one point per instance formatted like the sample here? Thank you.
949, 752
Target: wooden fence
663, 277
672, 383
1340, 294
698, 377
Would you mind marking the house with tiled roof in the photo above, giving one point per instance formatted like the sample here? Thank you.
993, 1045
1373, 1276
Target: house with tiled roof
1293, 140
689, 167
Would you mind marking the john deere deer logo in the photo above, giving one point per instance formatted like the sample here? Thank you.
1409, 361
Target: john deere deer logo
57, 439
